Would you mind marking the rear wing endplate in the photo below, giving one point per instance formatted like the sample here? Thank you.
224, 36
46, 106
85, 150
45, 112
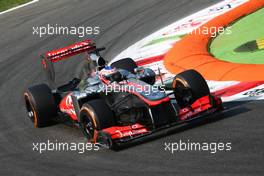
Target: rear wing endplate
59, 54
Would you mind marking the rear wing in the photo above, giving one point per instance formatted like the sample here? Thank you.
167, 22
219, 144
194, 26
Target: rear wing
62, 53
77, 48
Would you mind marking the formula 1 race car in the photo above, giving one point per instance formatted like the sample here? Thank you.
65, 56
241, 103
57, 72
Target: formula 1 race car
119, 102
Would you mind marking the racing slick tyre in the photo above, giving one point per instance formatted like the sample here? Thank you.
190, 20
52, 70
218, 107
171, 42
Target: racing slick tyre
95, 115
40, 105
126, 64
189, 86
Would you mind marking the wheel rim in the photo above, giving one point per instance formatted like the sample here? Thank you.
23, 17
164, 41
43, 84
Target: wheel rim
182, 94
88, 128
30, 111
31, 115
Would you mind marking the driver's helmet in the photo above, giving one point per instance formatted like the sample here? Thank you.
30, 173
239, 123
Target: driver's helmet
107, 70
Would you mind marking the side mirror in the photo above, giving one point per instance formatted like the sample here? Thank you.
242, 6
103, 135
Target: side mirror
100, 63
147, 75
97, 60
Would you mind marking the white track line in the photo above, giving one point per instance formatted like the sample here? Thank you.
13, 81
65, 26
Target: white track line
17, 7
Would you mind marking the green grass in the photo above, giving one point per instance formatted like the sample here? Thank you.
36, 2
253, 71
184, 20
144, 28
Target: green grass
163, 39
247, 29
7, 4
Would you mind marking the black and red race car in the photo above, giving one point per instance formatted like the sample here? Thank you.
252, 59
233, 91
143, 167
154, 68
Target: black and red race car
119, 102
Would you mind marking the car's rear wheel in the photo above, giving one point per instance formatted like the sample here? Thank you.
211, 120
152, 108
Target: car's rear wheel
126, 64
40, 105
189, 86
95, 115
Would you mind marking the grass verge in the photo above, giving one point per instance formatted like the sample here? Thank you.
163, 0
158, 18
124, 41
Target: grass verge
7, 4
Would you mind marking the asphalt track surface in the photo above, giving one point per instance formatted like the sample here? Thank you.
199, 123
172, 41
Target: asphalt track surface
121, 23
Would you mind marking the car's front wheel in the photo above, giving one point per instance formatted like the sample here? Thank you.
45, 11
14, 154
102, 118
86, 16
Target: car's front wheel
95, 115
189, 86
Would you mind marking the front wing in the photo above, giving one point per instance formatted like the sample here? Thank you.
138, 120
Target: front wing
117, 136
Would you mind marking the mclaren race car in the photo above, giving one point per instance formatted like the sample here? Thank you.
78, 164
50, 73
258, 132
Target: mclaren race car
119, 102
